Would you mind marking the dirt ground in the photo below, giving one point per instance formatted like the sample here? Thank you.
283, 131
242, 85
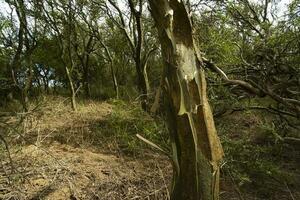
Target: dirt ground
45, 168
61, 172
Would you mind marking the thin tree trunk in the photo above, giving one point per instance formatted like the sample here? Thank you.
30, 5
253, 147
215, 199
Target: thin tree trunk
143, 84
155, 105
136, 44
70, 55
84, 59
114, 78
72, 89
146, 79
112, 70
87, 89
25, 90
197, 151
28, 79
46, 84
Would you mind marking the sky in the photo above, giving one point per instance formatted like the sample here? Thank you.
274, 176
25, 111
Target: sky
3, 6
282, 6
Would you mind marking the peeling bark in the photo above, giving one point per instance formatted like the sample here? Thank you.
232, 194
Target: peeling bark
197, 151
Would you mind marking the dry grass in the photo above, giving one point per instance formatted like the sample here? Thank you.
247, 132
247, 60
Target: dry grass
65, 172
54, 159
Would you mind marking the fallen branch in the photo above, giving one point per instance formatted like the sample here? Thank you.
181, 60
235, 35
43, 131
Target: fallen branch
291, 140
152, 144
269, 109
8, 152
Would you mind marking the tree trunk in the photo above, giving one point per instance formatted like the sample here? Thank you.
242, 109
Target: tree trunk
46, 84
141, 65
70, 55
72, 89
114, 78
197, 151
86, 83
28, 81
155, 105
143, 84
112, 70
146, 79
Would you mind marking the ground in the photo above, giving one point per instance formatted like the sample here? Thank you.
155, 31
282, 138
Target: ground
64, 172
58, 154
52, 166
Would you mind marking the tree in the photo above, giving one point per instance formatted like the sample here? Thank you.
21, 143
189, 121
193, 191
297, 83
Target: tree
21, 65
136, 39
257, 51
62, 26
92, 29
197, 150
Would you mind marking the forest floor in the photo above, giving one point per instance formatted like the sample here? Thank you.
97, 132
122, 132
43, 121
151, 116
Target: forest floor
58, 160
59, 154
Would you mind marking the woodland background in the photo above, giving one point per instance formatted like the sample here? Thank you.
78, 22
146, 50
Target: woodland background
80, 78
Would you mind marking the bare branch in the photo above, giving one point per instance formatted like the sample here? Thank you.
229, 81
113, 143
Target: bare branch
241, 83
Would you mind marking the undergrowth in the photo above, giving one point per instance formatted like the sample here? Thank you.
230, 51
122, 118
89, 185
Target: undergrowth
126, 121
256, 158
